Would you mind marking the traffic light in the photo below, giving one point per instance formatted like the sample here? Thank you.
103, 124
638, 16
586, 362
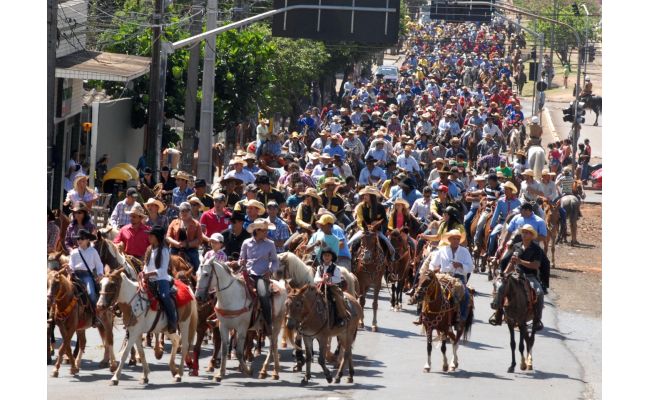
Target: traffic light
568, 113
592, 53
580, 115
576, 10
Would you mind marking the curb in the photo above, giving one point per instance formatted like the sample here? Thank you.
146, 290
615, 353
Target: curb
549, 121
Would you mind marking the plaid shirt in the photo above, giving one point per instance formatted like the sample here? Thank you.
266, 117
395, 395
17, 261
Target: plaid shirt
119, 216
491, 160
177, 198
281, 232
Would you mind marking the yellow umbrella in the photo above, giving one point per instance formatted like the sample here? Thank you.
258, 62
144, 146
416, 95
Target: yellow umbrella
130, 169
117, 174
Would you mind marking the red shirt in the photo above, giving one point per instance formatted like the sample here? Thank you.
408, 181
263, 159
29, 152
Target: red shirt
135, 241
214, 223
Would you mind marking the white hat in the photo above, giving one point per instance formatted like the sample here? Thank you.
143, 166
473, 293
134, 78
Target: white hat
587, 78
216, 237
535, 120
260, 223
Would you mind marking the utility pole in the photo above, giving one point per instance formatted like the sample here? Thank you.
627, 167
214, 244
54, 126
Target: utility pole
157, 75
52, 16
189, 127
204, 168
552, 46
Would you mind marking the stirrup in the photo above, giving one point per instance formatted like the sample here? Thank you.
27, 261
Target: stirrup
496, 319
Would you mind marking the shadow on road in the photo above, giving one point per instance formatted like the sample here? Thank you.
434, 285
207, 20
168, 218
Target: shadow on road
536, 374
472, 374
481, 346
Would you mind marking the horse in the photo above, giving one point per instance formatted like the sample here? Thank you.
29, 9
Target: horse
595, 104
517, 138
536, 160
472, 147
552, 214
310, 316
72, 313
370, 270
398, 273
145, 191
109, 232
117, 289
440, 314
571, 204
63, 222
298, 246
480, 253
517, 313
234, 310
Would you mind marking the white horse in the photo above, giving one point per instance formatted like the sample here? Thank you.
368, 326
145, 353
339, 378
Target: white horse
109, 232
234, 308
536, 160
292, 267
117, 288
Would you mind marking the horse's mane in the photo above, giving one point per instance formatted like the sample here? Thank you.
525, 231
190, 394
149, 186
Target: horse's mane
120, 258
296, 269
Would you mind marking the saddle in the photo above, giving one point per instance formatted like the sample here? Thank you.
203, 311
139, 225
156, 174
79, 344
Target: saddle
531, 295
179, 292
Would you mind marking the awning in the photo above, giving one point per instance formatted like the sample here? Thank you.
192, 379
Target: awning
101, 66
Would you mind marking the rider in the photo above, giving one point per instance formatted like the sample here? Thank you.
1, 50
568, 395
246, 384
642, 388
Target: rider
526, 257
531, 190
86, 265
369, 211
332, 201
507, 203
133, 237
492, 192
587, 90
456, 261
330, 274
156, 264
324, 238
259, 256
184, 234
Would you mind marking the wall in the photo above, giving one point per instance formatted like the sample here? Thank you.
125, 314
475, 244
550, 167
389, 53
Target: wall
71, 23
115, 136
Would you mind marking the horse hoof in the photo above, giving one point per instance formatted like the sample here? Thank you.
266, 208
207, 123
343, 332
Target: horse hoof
445, 368
303, 382
217, 379
209, 369
511, 369
297, 368
132, 362
158, 354
114, 382
452, 369
426, 369
193, 372
103, 364
530, 367
275, 377
262, 375
144, 381
74, 371
177, 379
490, 276
55, 374
374, 328
350, 379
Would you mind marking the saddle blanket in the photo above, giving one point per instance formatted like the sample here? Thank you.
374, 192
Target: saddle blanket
180, 292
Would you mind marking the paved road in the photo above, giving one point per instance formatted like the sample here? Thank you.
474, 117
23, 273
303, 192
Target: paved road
588, 131
388, 365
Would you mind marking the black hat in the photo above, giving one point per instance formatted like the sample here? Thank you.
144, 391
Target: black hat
84, 234
493, 177
407, 182
238, 216
159, 232
263, 180
371, 159
165, 168
328, 250
148, 170
131, 192
451, 211
527, 206
200, 183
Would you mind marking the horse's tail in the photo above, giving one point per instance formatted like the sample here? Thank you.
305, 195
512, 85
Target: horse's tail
194, 321
468, 324
289, 334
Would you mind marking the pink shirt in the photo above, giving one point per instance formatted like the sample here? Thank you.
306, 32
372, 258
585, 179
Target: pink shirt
135, 241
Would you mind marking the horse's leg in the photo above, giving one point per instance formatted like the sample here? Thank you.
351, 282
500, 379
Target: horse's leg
200, 334
310, 354
263, 374
159, 347
393, 300
225, 340
329, 356
443, 349
63, 349
375, 305
127, 350
276, 354
553, 237
300, 357
427, 365
241, 342
321, 359
343, 352
175, 339
145, 365
81, 344
513, 344
362, 302
454, 358
214, 362
522, 338
529, 349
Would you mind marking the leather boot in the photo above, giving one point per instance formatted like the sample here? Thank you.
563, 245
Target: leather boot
341, 311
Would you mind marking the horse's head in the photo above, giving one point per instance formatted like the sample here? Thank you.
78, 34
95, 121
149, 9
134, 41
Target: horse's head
110, 286
55, 286
299, 304
205, 276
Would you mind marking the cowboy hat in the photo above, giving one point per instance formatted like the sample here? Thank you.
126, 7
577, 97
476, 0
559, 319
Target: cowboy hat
226, 180
257, 204
249, 156
324, 211
198, 202
453, 233
454, 140
137, 210
520, 153
371, 191
84, 234
326, 219
312, 193
260, 223
295, 135
153, 202
402, 202
479, 178
236, 160
545, 171
183, 175
330, 181
511, 186
529, 228
216, 237
528, 172
159, 232
330, 251
80, 206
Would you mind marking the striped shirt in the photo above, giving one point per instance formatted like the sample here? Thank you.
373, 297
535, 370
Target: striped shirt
565, 184
493, 194
119, 216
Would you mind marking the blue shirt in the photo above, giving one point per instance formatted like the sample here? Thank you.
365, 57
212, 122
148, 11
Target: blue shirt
411, 197
503, 208
340, 235
333, 150
364, 176
281, 232
537, 223
177, 198
454, 192
260, 256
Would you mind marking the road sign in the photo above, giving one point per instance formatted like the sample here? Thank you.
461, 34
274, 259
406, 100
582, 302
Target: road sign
361, 25
452, 12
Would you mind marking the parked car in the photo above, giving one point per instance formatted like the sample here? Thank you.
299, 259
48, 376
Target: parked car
387, 72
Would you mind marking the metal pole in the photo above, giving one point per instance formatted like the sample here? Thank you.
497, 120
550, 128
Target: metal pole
156, 91
539, 72
52, 17
204, 167
553, 30
189, 126
586, 50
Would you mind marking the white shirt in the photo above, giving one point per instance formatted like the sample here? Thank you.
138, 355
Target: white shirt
408, 163
262, 132
525, 195
421, 208
245, 175
92, 259
445, 256
494, 130
549, 189
336, 277
161, 273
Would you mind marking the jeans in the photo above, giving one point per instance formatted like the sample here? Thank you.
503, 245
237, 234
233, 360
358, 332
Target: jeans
468, 219
480, 227
192, 256
494, 238
258, 148
264, 295
89, 282
356, 238
464, 305
164, 296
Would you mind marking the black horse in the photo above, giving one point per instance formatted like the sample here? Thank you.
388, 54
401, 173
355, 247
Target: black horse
595, 104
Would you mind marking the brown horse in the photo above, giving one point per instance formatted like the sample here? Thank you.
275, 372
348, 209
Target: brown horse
552, 214
205, 312
370, 269
308, 312
479, 253
441, 314
72, 313
517, 313
298, 246
399, 271
63, 221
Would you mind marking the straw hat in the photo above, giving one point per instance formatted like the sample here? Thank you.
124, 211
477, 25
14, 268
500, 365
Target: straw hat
371, 191
511, 186
295, 135
198, 202
236, 160
137, 210
257, 204
312, 193
453, 233
330, 181
528, 172
154, 202
545, 171
402, 202
249, 156
529, 228
326, 219
183, 175
260, 223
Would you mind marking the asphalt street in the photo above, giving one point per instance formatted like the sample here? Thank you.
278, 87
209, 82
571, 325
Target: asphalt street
388, 365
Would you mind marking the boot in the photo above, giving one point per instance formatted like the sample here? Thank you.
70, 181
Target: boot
265, 303
497, 318
341, 311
